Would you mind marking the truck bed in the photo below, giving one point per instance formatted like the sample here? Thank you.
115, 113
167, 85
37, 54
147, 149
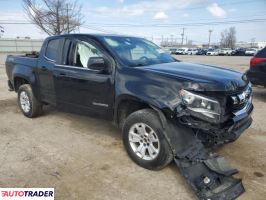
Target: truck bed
28, 59
12, 61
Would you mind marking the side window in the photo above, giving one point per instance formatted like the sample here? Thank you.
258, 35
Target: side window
83, 52
52, 49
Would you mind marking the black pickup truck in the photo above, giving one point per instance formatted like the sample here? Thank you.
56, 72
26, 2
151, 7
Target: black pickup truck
167, 109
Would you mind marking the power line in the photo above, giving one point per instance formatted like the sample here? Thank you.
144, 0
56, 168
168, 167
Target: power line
257, 20
254, 13
98, 29
187, 24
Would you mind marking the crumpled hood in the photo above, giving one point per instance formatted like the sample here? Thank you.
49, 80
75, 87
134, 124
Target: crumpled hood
209, 78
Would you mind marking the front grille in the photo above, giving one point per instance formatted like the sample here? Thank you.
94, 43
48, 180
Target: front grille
239, 100
238, 107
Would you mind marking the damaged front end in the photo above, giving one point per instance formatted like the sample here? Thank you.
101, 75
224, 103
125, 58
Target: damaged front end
202, 120
218, 118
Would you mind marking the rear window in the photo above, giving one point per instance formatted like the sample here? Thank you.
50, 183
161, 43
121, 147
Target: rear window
261, 53
52, 49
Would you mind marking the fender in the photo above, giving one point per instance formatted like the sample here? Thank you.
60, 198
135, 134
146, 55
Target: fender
151, 104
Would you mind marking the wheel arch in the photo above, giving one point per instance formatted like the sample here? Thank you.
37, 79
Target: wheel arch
25, 75
20, 80
127, 104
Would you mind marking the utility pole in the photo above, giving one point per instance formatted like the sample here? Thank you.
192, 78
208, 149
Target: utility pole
182, 35
210, 32
172, 40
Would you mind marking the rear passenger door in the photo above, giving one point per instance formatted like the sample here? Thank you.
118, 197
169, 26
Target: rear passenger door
79, 87
51, 53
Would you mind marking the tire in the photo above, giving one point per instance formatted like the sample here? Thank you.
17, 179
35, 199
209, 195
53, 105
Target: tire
147, 120
27, 102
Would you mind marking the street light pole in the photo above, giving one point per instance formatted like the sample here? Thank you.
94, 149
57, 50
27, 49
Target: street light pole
182, 34
210, 32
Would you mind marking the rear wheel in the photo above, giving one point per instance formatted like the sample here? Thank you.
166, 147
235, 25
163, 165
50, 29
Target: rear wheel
144, 140
27, 102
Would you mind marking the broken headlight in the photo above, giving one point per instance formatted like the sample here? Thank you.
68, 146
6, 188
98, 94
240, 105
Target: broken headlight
200, 106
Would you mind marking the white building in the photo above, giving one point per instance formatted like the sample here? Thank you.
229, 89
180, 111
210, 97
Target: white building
261, 44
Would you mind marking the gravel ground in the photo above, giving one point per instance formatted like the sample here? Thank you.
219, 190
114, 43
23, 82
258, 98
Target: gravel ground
83, 158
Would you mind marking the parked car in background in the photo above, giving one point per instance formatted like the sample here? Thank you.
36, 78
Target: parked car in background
172, 50
192, 51
251, 52
201, 52
212, 52
225, 52
257, 70
182, 51
239, 52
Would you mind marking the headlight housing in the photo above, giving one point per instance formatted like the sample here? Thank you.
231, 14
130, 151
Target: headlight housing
200, 106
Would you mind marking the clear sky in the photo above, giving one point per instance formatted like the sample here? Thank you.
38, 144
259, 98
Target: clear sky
156, 18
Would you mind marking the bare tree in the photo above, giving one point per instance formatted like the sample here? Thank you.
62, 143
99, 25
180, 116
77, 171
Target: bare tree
54, 17
228, 38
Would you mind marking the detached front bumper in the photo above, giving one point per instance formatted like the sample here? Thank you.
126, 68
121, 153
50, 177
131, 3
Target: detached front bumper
209, 175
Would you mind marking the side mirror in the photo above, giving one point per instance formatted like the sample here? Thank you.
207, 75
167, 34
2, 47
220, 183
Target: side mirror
97, 63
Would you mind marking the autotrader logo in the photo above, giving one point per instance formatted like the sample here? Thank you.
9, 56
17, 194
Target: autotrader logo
27, 193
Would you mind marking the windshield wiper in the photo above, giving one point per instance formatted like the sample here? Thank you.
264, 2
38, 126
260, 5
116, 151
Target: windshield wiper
138, 65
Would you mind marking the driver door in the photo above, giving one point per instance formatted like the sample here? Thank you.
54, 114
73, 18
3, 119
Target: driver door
78, 86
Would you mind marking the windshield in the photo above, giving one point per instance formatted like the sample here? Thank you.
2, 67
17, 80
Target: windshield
137, 51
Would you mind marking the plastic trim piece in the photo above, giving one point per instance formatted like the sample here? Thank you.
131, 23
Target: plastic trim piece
209, 175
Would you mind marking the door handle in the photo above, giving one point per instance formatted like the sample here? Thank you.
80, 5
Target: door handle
62, 74
43, 68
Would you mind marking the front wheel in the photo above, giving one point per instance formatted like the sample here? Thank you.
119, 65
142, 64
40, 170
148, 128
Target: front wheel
144, 140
